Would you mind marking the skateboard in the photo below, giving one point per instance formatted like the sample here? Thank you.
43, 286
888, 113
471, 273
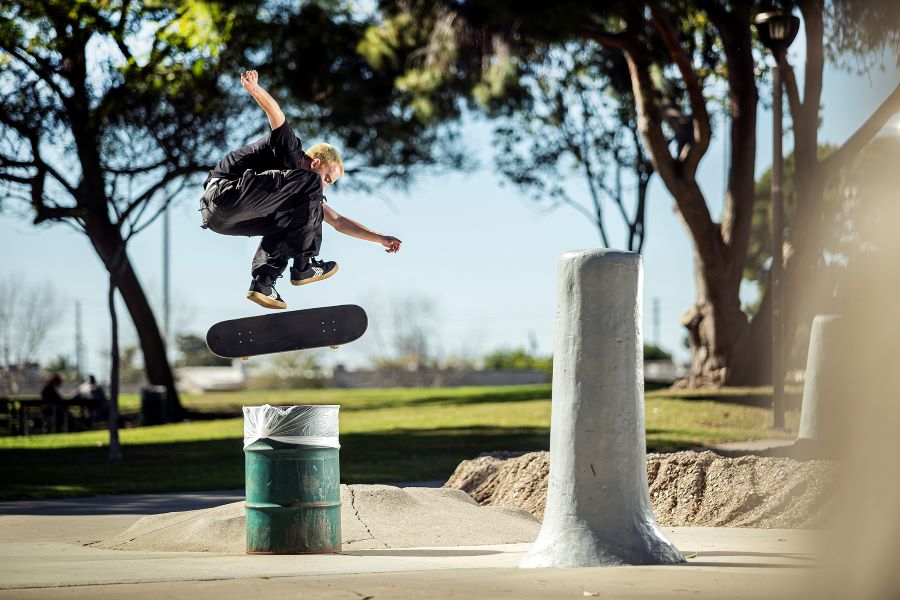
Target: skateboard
286, 331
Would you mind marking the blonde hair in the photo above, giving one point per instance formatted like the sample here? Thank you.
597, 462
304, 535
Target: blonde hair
328, 154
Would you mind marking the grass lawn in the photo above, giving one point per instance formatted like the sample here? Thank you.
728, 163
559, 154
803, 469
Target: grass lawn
387, 435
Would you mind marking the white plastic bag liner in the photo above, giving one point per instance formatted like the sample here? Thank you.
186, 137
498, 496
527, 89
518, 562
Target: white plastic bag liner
308, 425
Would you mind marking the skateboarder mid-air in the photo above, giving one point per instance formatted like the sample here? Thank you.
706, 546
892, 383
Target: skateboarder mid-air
273, 189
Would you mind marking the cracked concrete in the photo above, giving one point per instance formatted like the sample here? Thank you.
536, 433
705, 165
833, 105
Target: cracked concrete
43, 553
349, 541
373, 517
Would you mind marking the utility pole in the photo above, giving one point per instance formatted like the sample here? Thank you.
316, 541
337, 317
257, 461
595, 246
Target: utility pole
79, 341
166, 279
656, 321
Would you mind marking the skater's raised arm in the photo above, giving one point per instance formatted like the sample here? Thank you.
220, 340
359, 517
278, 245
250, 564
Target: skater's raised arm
250, 81
354, 229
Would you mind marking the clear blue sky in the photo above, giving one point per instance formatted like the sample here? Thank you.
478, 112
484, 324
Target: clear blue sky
482, 253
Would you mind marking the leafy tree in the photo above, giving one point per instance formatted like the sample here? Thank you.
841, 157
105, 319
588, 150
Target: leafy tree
579, 124
855, 34
685, 59
110, 109
107, 108
654, 352
517, 359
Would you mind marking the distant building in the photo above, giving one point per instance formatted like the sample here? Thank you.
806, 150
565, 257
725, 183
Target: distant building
663, 371
196, 380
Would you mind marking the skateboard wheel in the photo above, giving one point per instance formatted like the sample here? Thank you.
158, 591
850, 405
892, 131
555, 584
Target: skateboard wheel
245, 358
335, 347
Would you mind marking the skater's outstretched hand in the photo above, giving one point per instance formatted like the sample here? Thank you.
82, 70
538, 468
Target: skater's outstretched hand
250, 81
391, 243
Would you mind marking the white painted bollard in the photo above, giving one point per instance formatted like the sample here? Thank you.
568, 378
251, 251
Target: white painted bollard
825, 387
598, 504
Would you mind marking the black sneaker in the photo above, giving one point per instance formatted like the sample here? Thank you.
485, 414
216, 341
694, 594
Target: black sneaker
316, 270
262, 291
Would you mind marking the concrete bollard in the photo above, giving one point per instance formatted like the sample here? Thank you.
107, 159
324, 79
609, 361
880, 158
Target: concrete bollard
826, 376
598, 504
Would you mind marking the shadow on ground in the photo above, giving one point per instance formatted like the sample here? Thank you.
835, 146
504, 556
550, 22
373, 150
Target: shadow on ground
394, 455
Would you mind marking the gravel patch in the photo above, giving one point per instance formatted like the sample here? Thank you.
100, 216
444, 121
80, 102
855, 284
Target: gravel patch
686, 488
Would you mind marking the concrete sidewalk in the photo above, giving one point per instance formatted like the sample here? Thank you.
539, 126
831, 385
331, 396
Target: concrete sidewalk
44, 555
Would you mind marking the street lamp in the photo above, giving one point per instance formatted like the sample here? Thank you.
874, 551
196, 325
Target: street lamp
776, 31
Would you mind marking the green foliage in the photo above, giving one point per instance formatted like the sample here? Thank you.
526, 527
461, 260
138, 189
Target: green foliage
759, 248
517, 359
654, 352
194, 353
860, 34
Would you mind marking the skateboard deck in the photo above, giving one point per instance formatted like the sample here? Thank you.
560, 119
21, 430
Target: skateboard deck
286, 331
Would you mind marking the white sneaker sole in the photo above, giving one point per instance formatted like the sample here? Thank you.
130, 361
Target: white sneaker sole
265, 301
317, 278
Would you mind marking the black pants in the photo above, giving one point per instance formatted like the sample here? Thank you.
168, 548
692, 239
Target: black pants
282, 206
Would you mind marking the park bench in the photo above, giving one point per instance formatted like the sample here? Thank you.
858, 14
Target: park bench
28, 414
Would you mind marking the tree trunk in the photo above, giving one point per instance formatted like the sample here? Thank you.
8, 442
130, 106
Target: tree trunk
717, 329
110, 246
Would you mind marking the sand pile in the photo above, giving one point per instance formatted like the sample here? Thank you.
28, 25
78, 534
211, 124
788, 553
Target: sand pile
686, 488
372, 517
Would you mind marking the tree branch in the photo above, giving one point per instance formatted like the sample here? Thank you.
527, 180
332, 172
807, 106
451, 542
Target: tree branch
605, 38
16, 178
813, 23
699, 114
136, 229
119, 31
57, 213
836, 161
37, 68
135, 170
153, 189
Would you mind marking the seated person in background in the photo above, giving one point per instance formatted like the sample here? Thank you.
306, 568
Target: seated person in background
53, 408
93, 398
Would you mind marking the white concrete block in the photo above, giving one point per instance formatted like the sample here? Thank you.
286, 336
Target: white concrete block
598, 505
826, 377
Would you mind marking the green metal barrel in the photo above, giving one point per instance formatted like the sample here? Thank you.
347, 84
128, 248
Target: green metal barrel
293, 498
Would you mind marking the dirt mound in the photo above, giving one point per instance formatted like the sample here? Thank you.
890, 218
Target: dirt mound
372, 517
686, 488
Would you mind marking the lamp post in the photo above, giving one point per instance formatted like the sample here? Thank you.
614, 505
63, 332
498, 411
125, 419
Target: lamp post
776, 31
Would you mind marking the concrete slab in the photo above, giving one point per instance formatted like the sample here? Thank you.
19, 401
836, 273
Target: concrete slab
482, 584
710, 552
44, 555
